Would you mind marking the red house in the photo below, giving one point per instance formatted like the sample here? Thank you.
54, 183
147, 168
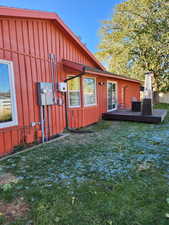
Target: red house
39, 56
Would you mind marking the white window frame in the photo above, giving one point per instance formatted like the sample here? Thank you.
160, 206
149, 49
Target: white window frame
14, 121
86, 105
74, 106
113, 82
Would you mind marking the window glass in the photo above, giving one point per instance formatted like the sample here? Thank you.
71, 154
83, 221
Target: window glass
89, 91
5, 95
74, 84
74, 99
74, 92
8, 112
112, 98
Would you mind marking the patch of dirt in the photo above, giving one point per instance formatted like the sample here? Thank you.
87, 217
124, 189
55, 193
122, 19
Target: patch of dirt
7, 178
144, 166
13, 210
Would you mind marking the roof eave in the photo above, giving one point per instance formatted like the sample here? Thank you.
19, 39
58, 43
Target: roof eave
26, 13
113, 76
83, 68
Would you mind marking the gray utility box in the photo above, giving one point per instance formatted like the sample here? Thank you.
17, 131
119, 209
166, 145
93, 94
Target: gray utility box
45, 93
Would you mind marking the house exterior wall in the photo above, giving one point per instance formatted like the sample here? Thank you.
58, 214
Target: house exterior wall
27, 43
84, 116
132, 90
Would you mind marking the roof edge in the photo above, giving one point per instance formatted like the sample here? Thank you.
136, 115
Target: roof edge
108, 74
81, 67
28, 13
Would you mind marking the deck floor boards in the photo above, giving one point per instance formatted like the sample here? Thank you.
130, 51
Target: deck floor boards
127, 115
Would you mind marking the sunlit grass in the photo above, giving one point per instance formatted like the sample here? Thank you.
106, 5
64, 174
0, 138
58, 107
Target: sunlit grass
117, 175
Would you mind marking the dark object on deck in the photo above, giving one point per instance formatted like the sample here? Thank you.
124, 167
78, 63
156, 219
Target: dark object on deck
157, 116
136, 106
147, 107
141, 88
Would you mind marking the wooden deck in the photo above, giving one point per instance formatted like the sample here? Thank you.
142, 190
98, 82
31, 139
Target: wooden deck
127, 115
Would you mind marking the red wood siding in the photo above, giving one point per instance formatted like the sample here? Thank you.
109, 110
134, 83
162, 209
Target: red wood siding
28, 42
86, 115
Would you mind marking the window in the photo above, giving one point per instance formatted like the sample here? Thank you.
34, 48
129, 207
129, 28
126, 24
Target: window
74, 92
89, 90
8, 113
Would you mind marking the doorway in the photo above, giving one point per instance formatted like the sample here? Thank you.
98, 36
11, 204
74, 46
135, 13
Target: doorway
111, 96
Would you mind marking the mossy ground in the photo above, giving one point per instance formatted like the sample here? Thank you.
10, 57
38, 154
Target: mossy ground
118, 175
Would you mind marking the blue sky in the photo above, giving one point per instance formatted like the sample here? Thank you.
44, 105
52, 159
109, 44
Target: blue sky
4, 79
83, 17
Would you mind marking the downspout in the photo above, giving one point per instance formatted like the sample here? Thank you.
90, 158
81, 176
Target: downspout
45, 111
42, 123
66, 102
53, 60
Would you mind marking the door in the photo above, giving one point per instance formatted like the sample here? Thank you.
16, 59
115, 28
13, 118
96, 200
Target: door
111, 96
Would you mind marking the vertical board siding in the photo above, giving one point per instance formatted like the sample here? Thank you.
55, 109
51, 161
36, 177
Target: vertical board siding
133, 90
28, 43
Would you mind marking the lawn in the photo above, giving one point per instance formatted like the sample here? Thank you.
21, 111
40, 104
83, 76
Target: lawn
117, 175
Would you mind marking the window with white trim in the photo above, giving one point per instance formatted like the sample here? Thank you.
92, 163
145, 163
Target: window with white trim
89, 91
74, 92
8, 112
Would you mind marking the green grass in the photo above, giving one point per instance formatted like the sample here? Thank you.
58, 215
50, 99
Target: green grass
117, 175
